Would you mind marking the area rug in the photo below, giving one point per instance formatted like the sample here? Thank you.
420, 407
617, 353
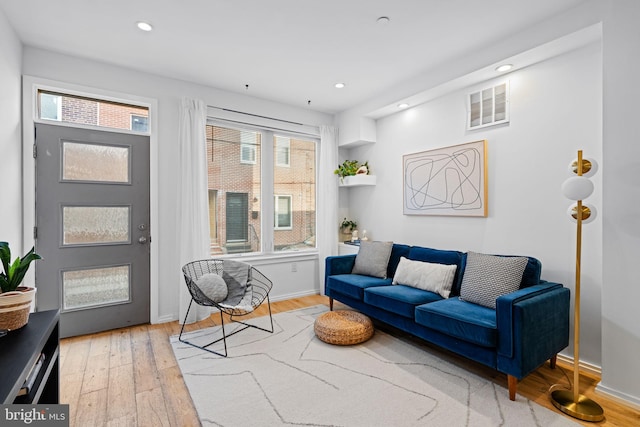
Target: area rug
291, 378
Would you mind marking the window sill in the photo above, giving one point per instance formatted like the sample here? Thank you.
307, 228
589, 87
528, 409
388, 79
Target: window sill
273, 257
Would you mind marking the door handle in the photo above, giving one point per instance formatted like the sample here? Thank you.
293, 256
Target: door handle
142, 240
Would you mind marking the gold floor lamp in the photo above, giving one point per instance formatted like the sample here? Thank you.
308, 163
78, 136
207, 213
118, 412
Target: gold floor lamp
578, 188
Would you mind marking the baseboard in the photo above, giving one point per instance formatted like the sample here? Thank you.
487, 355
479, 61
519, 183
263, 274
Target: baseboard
294, 295
588, 368
596, 371
171, 318
165, 319
622, 398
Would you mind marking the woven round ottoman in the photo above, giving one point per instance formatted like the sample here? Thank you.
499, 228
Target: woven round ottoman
343, 327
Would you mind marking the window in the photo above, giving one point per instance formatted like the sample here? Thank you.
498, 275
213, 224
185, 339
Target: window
50, 107
282, 214
234, 188
139, 123
247, 147
299, 182
283, 147
92, 112
245, 219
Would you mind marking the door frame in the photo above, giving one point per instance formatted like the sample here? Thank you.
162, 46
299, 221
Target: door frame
30, 87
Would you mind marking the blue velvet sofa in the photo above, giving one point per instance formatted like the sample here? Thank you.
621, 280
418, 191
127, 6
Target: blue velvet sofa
527, 327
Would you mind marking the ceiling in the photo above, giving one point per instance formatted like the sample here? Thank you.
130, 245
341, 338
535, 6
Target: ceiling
290, 51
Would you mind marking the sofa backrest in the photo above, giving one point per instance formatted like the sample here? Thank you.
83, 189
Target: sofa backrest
530, 276
439, 256
397, 251
532, 272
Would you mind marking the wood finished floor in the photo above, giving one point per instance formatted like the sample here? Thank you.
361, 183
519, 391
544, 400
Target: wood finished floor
130, 377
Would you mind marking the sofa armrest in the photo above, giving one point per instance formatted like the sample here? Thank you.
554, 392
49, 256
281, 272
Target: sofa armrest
533, 326
341, 264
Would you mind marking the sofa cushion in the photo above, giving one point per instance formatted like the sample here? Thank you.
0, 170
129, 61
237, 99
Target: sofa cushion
428, 276
353, 285
486, 277
419, 253
373, 258
469, 322
399, 299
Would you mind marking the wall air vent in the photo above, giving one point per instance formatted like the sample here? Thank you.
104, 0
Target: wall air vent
488, 107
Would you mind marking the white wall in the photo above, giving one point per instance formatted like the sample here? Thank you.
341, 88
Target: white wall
10, 131
555, 110
168, 92
621, 286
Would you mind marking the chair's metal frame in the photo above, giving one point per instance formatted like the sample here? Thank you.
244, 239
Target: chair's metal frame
257, 284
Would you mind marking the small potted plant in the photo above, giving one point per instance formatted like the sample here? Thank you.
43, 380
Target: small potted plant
15, 300
347, 226
351, 168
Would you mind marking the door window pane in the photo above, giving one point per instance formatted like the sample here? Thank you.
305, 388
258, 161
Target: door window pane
91, 111
95, 287
50, 107
87, 225
92, 162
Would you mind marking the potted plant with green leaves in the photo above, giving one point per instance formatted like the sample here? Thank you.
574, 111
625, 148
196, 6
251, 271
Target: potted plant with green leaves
347, 226
15, 300
351, 168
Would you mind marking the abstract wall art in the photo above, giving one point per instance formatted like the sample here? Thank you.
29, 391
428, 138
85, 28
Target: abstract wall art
446, 181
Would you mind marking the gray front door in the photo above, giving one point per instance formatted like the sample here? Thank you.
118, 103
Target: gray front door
92, 227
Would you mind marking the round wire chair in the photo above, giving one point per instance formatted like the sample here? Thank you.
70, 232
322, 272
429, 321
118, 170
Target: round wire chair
256, 292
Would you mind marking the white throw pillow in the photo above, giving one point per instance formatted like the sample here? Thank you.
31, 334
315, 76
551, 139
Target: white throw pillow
428, 276
213, 286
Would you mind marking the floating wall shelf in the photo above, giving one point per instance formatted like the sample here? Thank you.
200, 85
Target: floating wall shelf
357, 180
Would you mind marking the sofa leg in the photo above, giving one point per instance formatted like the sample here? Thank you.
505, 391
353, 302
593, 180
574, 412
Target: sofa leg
552, 361
513, 385
330, 304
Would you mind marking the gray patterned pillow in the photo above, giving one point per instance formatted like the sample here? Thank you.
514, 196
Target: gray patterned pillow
486, 277
373, 258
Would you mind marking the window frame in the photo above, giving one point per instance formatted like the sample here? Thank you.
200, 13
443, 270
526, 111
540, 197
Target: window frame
267, 192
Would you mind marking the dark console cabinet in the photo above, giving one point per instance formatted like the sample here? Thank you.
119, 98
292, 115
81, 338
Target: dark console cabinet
19, 353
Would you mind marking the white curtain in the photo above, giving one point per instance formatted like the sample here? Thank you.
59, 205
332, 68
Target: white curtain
193, 198
327, 197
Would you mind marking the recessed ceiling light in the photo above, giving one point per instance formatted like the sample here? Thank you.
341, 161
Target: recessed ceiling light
339, 85
403, 105
383, 20
144, 26
503, 68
